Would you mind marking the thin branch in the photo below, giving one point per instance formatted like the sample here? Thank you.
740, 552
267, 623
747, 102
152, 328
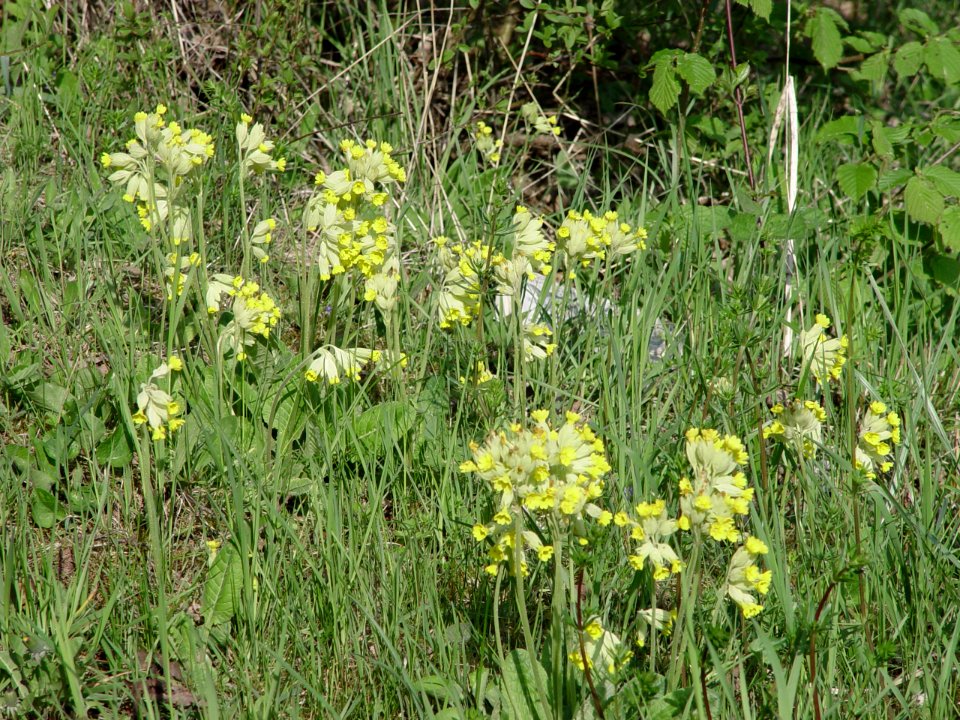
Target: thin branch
738, 100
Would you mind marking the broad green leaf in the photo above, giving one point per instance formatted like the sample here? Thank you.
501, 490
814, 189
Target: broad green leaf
943, 60
382, 424
924, 202
760, 8
944, 179
874, 68
856, 179
47, 510
518, 688
221, 591
49, 396
918, 21
908, 58
846, 125
946, 127
665, 90
866, 41
949, 227
881, 140
823, 29
116, 450
894, 178
697, 71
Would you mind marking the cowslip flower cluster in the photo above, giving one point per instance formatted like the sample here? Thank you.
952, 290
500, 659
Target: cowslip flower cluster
156, 408
177, 271
717, 492
551, 475
879, 432
654, 619
254, 312
153, 171
585, 237
348, 218
261, 237
488, 147
799, 424
546, 124
745, 580
824, 355
332, 363
464, 264
530, 253
604, 650
537, 343
255, 149
650, 532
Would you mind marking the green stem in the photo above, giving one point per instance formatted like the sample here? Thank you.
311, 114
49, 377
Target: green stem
522, 606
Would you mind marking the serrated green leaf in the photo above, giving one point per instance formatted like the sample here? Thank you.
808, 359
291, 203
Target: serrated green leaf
946, 127
944, 179
221, 591
697, 72
949, 227
943, 60
874, 68
894, 178
856, 179
924, 202
908, 58
823, 29
881, 140
760, 8
918, 21
665, 89
846, 125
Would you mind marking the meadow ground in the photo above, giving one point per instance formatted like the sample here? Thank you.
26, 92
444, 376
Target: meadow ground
271, 449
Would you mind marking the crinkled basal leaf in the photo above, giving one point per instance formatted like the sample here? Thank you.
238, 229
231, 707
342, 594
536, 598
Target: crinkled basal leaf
221, 591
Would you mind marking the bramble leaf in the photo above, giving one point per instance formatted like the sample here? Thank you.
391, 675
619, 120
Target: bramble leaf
856, 179
924, 202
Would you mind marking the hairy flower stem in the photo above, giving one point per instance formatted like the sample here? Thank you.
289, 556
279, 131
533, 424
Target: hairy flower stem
245, 231
738, 100
597, 705
522, 607
813, 650
686, 604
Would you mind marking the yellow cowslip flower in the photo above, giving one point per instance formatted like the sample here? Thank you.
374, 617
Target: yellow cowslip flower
799, 425
825, 356
584, 238
156, 408
522, 466
879, 432
332, 363
717, 490
745, 580
651, 531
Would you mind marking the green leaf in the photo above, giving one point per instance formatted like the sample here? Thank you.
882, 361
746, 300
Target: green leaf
49, 396
908, 59
918, 21
760, 8
881, 140
944, 179
697, 72
116, 450
949, 227
823, 29
841, 127
47, 510
894, 178
665, 90
924, 202
943, 60
518, 688
856, 179
221, 591
874, 68
381, 425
